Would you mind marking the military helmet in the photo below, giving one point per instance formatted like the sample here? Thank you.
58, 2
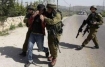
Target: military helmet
93, 7
51, 5
30, 7
40, 7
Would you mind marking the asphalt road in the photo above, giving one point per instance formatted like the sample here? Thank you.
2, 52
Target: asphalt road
10, 47
96, 56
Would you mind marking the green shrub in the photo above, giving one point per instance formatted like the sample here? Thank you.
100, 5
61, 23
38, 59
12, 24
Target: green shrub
3, 33
20, 24
12, 27
103, 13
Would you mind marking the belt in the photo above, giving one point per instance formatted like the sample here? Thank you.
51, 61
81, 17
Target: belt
37, 33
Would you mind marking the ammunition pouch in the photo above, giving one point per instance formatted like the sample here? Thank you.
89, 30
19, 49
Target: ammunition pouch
58, 28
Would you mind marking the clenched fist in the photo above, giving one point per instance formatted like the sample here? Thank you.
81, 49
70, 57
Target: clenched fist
36, 13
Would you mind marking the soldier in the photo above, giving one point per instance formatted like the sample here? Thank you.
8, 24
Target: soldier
37, 33
53, 18
94, 20
30, 11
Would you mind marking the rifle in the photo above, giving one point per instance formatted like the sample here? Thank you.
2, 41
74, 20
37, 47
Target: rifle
86, 30
80, 29
77, 34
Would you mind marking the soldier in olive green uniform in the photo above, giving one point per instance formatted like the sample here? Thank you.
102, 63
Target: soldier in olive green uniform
94, 20
30, 11
52, 18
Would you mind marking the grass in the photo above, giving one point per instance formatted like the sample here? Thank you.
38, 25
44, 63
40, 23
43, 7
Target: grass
20, 24
12, 27
3, 33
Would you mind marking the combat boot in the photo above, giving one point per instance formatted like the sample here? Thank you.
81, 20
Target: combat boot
80, 47
46, 52
96, 47
23, 54
53, 61
50, 58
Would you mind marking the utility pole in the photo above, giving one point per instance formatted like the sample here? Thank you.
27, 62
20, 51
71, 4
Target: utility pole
39, 1
26, 4
21, 4
69, 8
57, 4
103, 5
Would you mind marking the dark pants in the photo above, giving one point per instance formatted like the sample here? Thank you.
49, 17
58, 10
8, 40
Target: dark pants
92, 36
25, 45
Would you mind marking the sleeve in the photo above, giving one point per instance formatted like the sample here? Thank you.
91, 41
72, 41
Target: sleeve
25, 20
101, 20
85, 22
53, 21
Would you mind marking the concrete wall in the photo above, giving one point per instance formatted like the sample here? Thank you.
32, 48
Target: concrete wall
11, 20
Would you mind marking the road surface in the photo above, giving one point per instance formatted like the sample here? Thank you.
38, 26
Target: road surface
10, 47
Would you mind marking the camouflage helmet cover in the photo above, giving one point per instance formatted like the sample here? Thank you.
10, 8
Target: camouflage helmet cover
30, 7
51, 5
93, 7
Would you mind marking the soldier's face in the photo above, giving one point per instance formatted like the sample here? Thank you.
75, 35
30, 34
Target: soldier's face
30, 11
93, 10
49, 10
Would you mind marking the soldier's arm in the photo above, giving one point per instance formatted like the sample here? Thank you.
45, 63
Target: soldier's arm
25, 19
86, 21
53, 21
101, 20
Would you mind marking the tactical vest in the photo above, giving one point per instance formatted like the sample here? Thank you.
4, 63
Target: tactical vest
57, 27
93, 18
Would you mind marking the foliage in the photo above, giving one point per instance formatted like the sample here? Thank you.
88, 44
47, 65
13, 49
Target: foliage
3, 33
20, 24
3, 18
12, 27
103, 13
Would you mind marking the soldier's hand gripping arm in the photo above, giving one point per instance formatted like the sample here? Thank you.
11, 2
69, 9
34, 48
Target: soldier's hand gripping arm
53, 21
35, 13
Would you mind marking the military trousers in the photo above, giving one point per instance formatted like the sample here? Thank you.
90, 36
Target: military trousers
52, 47
92, 36
25, 45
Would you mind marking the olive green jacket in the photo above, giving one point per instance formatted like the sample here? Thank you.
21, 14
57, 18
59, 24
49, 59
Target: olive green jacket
98, 19
53, 21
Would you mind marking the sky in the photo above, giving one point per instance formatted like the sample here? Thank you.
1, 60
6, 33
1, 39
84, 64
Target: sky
75, 2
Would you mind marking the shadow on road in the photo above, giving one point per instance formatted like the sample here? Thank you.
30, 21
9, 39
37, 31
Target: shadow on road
13, 52
67, 45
